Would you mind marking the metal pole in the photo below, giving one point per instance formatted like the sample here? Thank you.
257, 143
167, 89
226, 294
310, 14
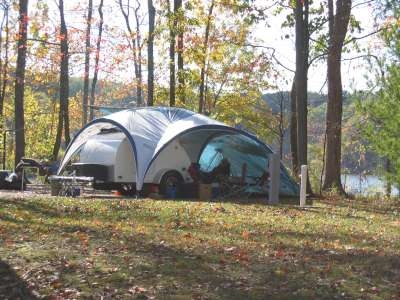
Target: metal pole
303, 185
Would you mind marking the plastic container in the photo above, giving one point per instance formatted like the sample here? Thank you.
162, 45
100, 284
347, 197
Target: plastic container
171, 192
205, 191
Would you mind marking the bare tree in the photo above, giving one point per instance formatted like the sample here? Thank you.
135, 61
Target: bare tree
5, 5
96, 63
293, 130
180, 29
338, 23
204, 58
20, 81
135, 44
87, 64
281, 123
63, 119
150, 54
172, 35
302, 53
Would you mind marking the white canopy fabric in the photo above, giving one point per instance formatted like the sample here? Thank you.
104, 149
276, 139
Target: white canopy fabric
149, 130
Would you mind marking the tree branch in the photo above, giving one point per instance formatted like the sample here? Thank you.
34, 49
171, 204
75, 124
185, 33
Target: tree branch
362, 37
272, 54
44, 42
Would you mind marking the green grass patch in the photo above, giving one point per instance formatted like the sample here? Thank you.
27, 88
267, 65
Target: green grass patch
123, 248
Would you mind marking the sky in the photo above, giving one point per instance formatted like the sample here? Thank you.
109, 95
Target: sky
353, 71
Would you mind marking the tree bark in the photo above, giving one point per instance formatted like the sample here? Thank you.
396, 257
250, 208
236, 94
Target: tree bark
337, 32
172, 30
63, 120
281, 126
64, 73
96, 63
20, 81
4, 63
135, 45
388, 184
301, 80
87, 65
138, 70
181, 75
150, 54
293, 130
204, 60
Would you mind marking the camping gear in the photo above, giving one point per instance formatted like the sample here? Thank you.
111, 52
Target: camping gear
205, 191
18, 179
69, 186
136, 148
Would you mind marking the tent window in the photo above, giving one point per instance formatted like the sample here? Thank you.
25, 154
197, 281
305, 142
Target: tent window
210, 158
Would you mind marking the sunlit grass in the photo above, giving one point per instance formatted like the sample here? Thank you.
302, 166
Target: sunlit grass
77, 248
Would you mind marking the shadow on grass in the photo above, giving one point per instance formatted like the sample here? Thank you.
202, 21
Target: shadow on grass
11, 285
208, 272
381, 206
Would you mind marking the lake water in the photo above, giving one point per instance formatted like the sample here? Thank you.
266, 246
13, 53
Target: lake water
365, 185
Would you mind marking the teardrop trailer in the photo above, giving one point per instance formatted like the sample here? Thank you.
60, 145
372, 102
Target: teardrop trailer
150, 149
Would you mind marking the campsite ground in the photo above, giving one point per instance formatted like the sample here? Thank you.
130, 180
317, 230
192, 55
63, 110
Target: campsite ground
62, 248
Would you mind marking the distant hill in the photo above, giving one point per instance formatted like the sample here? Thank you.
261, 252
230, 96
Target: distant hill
274, 99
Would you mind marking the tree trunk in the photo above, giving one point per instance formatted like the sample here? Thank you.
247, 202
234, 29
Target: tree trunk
57, 143
96, 63
150, 54
138, 70
293, 130
301, 80
181, 74
64, 72
337, 32
388, 185
135, 46
87, 64
281, 125
20, 81
63, 117
204, 60
4, 64
172, 30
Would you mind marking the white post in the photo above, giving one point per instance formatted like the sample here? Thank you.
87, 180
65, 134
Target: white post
22, 180
303, 185
274, 175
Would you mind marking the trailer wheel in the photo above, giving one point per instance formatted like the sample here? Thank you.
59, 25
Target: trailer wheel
171, 179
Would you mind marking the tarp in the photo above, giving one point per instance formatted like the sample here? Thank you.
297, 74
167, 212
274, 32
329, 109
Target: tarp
150, 129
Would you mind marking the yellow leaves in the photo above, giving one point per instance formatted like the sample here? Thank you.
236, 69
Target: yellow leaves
246, 235
279, 253
84, 238
138, 292
280, 271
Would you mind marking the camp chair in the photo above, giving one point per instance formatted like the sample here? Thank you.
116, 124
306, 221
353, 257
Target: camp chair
231, 185
257, 184
243, 186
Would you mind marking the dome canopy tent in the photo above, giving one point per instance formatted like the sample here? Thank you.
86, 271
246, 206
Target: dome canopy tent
150, 129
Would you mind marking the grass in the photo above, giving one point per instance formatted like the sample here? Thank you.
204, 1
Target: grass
62, 248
